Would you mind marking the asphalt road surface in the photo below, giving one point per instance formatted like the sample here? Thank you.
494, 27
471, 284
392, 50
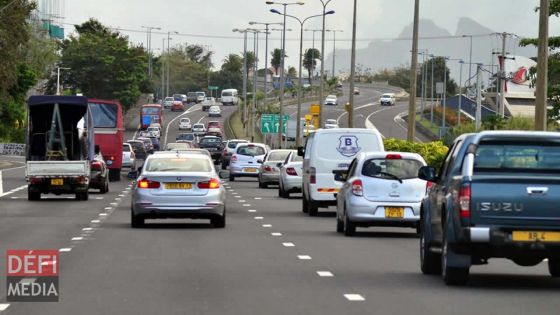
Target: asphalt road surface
270, 258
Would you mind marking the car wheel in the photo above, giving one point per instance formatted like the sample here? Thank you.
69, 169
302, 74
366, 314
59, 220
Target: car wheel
313, 208
339, 225
105, 187
219, 221
451, 275
554, 266
304, 204
33, 196
430, 263
115, 175
136, 221
349, 226
231, 178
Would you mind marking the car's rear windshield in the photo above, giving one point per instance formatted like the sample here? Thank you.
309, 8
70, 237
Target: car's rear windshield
233, 144
391, 168
175, 164
278, 156
198, 126
250, 150
186, 136
169, 98
517, 157
178, 145
227, 94
386, 95
185, 120
126, 148
211, 141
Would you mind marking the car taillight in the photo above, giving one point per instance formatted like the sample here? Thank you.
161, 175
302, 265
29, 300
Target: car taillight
96, 166
34, 180
393, 157
268, 168
312, 176
81, 180
214, 183
234, 158
291, 171
357, 188
465, 201
146, 183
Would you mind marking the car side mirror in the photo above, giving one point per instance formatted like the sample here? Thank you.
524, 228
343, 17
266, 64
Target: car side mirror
300, 151
223, 174
427, 173
260, 161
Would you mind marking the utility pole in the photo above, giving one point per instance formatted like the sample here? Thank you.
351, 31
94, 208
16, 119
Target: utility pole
163, 64
352, 72
542, 69
503, 81
444, 93
334, 50
255, 70
432, 90
478, 115
321, 74
413, 77
461, 62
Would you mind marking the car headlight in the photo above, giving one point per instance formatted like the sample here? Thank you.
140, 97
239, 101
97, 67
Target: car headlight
109, 162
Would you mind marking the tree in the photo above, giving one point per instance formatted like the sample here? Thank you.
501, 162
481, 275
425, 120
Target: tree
292, 72
233, 63
102, 64
196, 54
276, 60
249, 62
310, 61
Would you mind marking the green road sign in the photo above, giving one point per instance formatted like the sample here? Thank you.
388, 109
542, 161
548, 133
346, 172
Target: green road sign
271, 122
212, 88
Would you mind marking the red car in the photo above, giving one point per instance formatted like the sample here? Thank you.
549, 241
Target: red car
177, 105
214, 124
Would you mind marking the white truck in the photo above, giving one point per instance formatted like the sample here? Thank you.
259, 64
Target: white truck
58, 153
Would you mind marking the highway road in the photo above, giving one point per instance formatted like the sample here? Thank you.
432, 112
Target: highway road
270, 258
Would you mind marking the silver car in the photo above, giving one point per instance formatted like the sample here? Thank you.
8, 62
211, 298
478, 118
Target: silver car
269, 172
178, 185
245, 161
229, 149
291, 175
381, 189
128, 156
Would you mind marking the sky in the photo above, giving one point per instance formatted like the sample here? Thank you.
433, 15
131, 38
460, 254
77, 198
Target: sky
203, 22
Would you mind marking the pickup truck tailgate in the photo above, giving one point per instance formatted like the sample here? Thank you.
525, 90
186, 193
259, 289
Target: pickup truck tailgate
57, 168
519, 200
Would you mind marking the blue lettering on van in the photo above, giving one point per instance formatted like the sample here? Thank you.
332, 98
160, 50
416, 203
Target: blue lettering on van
348, 146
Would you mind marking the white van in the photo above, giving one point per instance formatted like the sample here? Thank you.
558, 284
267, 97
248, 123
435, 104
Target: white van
328, 153
230, 97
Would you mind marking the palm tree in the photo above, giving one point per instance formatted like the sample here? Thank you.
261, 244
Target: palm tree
310, 61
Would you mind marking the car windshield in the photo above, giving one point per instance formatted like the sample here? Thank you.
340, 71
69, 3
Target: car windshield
517, 157
175, 164
386, 95
185, 120
278, 155
198, 126
250, 150
210, 141
227, 94
391, 168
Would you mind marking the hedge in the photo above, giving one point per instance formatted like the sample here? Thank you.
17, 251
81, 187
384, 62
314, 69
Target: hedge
433, 152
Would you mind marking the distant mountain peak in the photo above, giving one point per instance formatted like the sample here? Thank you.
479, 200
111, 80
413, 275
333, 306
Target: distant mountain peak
467, 26
426, 28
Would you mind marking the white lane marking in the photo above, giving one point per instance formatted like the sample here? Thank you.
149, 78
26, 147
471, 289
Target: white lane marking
276, 234
233, 193
87, 229
4, 307
399, 121
242, 200
65, 250
201, 118
258, 198
103, 214
267, 225
13, 191
14, 197
117, 199
1, 185
354, 297
113, 203
95, 221
237, 196
79, 238
190, 110
252, 210
325, 274
258, 218
108, 208
359, 107
121, 195
304, 257
246, 205
288, 244
98, 198
370, 125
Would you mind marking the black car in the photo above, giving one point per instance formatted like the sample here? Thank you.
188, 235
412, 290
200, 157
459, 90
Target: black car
139, 149
213, 145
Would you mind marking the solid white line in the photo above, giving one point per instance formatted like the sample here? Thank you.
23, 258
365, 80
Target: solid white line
304, 257
1, 185
4, 307
13, 191
190, 110
276, 234
359, 107
354, 297
399, 121
288, 244
65, 249
325, 274
267, 225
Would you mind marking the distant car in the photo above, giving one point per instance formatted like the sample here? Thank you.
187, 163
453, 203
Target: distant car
128, 156
180, 97
339, 85
192, 97
178, 185
356, 91
185, 124
331, 100
199, 129
387, 99
214, 124
290, 175
177, 146
154, 132
229, 149
139, 149
200, 96
208, 102
167, 102
99, 174
330, 124
214, 111
380, 189
189, 136
214, 146
148, 145
177, 106
245, 161
155, 143
269, 172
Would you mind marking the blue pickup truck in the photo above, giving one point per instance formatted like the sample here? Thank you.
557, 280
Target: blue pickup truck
497, 195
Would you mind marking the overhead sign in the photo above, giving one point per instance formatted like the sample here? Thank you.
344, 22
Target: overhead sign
212, 88
271, 122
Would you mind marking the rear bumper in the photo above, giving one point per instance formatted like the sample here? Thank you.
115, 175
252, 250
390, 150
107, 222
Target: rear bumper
270, 177
364, 212
292, 184
150, 206
238, 170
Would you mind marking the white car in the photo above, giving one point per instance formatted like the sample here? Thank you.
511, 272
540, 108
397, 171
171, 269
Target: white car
331, 100
245, 161
387, 99
167, 102
327, 152
185, 124
154, 131
214, 111
290, 175
200, 96
331, 121
128, 156
208, 102
381, 189
199, 129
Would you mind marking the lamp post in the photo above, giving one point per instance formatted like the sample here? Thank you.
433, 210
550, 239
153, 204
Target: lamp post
149, 46
334, 49
300, 83
244, 31
352, 70
282, 63
168, 63
461, 62
58, 78
470, 56
325, 3
432, 89
265, 52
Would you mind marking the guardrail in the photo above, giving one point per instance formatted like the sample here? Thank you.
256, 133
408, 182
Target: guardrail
15, 149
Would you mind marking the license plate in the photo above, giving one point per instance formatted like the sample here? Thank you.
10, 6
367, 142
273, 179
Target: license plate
178, 185
57, 181
394, 212
250, 170
534, 236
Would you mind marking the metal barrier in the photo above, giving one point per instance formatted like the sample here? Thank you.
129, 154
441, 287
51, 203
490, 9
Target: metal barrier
15, 149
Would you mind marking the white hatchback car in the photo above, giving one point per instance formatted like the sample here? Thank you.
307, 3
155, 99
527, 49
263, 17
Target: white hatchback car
381, 189
214, 111
331, 100
154, 131
199, 129
185, 124
167, 102
245, 161
291, 175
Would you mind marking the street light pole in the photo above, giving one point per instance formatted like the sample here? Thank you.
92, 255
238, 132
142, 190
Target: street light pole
411, 133
58, 78
461, 62
321, 74
352, 69
149, 47
168, 59
163, 65
334, 50
542, 68
265, 54
432, 90
470, 57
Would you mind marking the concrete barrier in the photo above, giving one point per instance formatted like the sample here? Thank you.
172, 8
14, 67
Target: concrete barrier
15, 149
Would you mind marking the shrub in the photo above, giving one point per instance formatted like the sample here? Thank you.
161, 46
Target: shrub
432, 152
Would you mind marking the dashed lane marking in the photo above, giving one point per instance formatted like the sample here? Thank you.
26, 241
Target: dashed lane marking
252, 210
304, 257
259, 218
95, 221
258, 198
241, 200
246, 205
4, 307
65, 250
78, 238
288, 244
276, 234
267, 225
354, 297
325, 274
